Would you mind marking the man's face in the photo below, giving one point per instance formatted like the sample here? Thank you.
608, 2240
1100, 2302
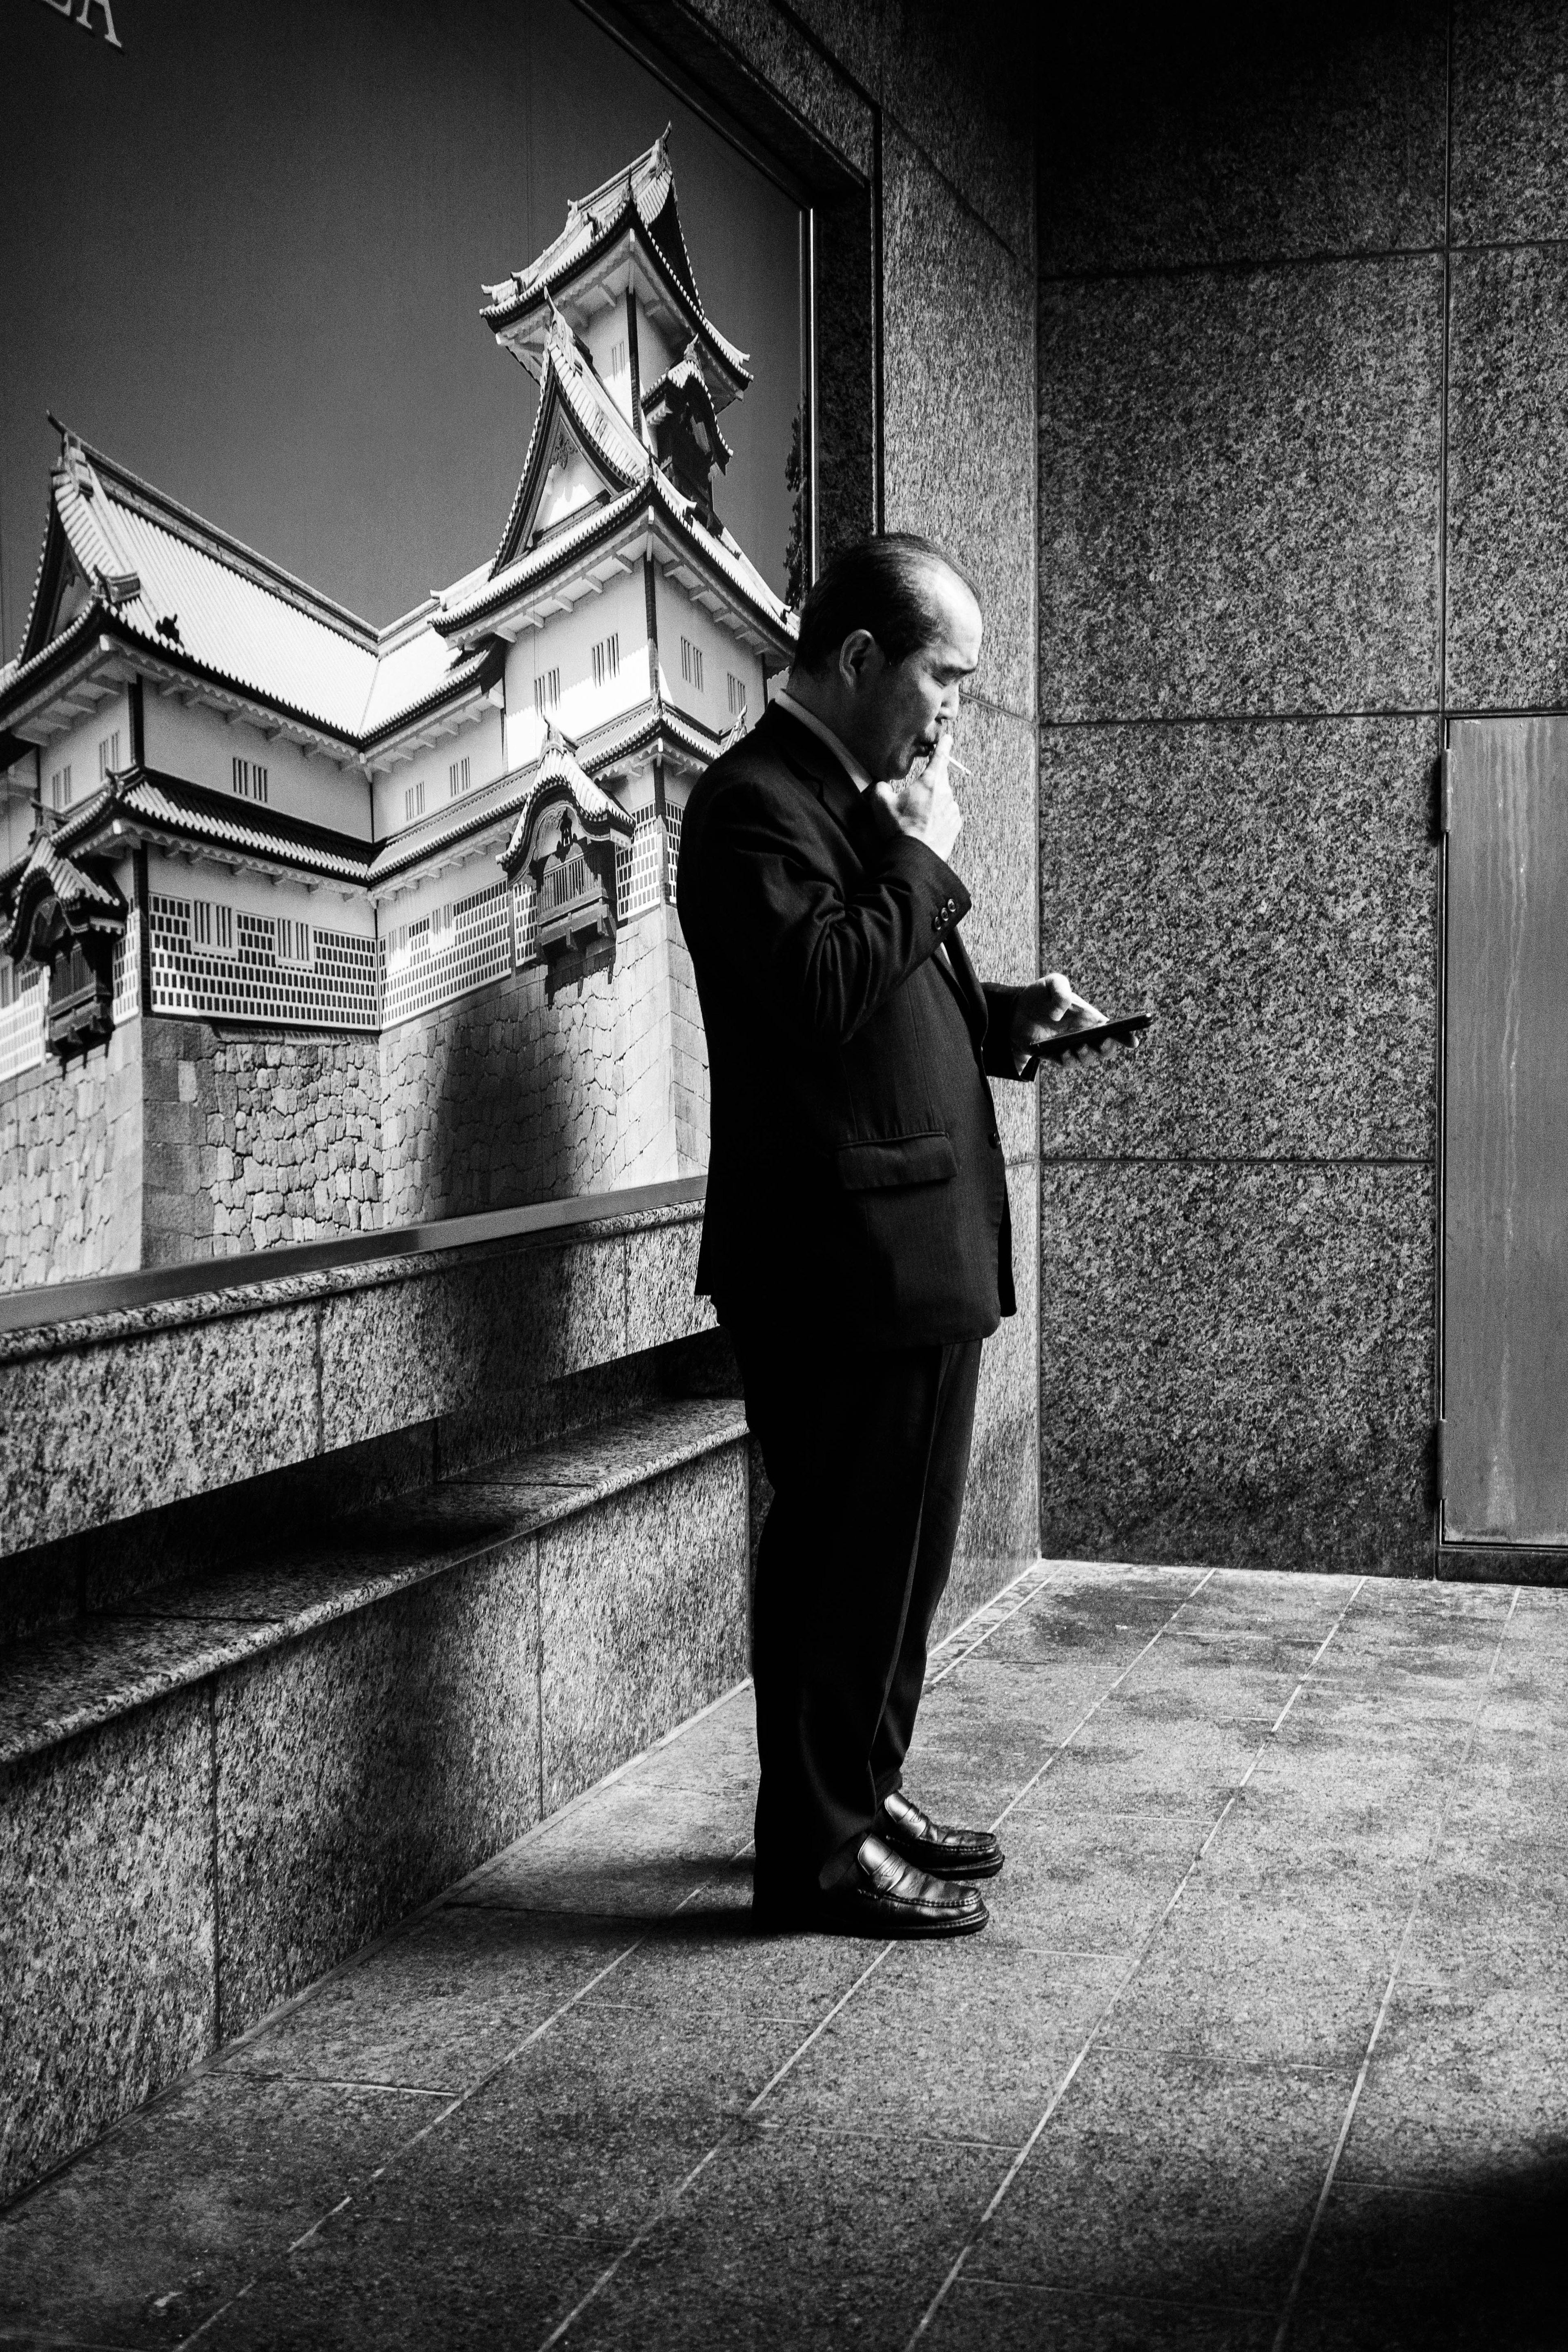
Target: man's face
898, 705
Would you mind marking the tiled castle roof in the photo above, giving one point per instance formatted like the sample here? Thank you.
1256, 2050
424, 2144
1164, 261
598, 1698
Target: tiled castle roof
641, 198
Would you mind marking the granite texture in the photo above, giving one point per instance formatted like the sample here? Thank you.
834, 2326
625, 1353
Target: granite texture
1236, 137
1508, 480
999, 1529
970, 105
1238, 491
603, 1460
996, 855
1044, 2319
795, 71
129, 1413
435, 2009
134, 1427
1180, 2209
363, 1768
1269, 891
151, 2231
1509, 169
107, 1932
661, 1303
959, 384
1258, 1393
643, 1617
871, 2225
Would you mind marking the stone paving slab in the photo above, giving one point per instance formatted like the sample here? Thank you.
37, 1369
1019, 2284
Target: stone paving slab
1264, 2051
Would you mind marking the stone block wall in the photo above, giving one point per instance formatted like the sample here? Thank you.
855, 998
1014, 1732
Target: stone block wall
71, 1165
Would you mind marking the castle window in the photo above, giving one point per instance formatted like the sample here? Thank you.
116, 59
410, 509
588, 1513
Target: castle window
618, 358
691, 664
293, 941
250, 779
547, 692
412, 802
225, 926
201, 922
607, 658
60, 787
441, 927
736, 695
457, 775
108, 754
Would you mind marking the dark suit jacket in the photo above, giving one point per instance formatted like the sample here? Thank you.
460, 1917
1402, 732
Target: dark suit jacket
856, 1183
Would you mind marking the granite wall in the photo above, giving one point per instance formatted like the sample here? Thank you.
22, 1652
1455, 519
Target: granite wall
71, 1165
1302, 336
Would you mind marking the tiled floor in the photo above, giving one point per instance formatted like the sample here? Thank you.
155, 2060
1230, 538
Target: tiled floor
1266, 2043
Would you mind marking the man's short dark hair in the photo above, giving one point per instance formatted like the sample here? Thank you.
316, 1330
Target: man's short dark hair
883, 584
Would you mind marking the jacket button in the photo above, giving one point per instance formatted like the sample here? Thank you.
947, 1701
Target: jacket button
995, 1140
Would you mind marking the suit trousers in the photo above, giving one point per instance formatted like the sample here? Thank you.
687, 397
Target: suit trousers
867, 1452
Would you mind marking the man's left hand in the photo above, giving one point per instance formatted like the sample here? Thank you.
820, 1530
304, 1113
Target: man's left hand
1051, 1008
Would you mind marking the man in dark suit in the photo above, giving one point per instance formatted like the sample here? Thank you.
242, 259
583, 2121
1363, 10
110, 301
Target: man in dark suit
856, 1241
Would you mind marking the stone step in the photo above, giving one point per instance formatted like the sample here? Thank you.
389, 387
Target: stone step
218, 1790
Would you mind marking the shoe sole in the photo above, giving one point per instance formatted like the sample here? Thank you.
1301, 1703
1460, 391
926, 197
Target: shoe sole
876, 1931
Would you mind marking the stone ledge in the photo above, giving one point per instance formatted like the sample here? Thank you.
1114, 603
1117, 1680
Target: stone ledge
168, 1639
106, 1417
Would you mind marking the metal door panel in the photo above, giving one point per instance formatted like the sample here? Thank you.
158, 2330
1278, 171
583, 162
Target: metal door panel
1505, 1260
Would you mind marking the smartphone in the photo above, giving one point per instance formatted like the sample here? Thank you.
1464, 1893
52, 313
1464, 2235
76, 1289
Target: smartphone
1131, 1025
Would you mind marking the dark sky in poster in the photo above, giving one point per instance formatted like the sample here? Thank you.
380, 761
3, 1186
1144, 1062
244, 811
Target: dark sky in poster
244, 256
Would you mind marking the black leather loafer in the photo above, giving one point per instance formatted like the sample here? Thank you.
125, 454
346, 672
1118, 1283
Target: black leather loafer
884, 1896
933, 1847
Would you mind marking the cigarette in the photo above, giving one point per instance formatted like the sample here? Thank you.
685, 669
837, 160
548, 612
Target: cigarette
952, 763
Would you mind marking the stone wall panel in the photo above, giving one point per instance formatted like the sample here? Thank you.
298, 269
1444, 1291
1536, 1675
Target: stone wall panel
106, 1938
1236, 1365
1270, 891
643, 1617
958, 378
364, 1768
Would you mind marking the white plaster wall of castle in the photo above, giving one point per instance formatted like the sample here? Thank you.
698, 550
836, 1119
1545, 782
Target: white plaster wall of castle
422, 787
561, 654
723, 658
605, 335
75, 763
18, 788
324, 908
200, 747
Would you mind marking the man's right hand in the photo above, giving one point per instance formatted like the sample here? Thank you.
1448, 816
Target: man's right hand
922, 805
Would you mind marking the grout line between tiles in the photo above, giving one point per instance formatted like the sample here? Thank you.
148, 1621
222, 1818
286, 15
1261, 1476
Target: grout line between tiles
1287, 2318
404, 2147
666, 2205
1139, 1956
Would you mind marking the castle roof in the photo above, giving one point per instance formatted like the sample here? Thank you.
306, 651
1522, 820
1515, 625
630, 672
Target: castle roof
85, 900
637, 492
154, 573
637, 207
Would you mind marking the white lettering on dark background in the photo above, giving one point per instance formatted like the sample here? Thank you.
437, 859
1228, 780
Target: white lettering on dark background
90, 8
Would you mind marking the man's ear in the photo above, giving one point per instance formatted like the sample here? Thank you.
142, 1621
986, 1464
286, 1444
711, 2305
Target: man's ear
860, 656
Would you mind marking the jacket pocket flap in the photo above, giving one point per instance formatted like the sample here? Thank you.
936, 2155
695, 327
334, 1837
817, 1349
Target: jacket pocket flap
927, 1158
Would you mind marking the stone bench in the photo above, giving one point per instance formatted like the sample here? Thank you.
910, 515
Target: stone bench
213, 1789
322, 1576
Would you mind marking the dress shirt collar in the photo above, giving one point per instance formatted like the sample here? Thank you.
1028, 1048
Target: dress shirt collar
841, 751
